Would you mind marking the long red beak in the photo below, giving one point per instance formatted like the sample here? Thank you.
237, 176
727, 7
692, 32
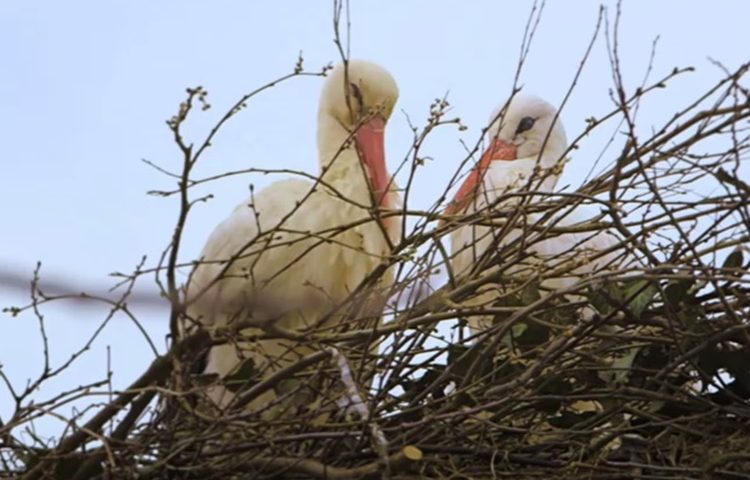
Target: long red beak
499, 150
371, 143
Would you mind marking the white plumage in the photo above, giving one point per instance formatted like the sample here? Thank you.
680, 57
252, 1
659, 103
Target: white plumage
298, 248
523, 154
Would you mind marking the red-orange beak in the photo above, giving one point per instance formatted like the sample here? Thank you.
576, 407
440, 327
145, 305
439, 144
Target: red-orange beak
370, 138
499, 150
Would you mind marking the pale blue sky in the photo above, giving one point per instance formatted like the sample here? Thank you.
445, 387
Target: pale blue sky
86, 87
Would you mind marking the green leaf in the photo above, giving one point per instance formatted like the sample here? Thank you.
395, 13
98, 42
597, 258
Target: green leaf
241, 378
532, 336
734, 259
455, 351
204, 379
689, 317
274, 412
676, 293
733, 262
461, 358
518, 329
299, 395
287, 385
606, 299
641, 292
67, 467
620, 367
515, 331
530, 294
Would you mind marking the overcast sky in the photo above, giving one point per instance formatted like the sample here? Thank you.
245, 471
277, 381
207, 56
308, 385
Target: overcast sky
85, 88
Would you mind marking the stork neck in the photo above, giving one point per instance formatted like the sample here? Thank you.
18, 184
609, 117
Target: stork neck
343, 169
552, 162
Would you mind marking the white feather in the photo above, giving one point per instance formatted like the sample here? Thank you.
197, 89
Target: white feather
578, 253
294, 251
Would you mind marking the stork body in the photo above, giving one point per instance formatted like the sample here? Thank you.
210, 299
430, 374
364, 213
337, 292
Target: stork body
291, 253
522, 164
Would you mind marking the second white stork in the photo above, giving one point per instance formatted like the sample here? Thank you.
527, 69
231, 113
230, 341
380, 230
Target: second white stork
522, 165
301, 246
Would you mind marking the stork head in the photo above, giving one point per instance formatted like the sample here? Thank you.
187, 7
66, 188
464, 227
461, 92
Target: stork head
354, 94
360, 98
521, 132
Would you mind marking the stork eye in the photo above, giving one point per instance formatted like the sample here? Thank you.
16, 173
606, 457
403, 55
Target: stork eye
525, 124
357, 93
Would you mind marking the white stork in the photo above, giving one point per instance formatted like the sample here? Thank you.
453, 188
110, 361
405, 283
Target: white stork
298, 246
527, 147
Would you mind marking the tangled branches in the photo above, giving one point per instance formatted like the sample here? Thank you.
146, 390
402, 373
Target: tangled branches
640, 369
